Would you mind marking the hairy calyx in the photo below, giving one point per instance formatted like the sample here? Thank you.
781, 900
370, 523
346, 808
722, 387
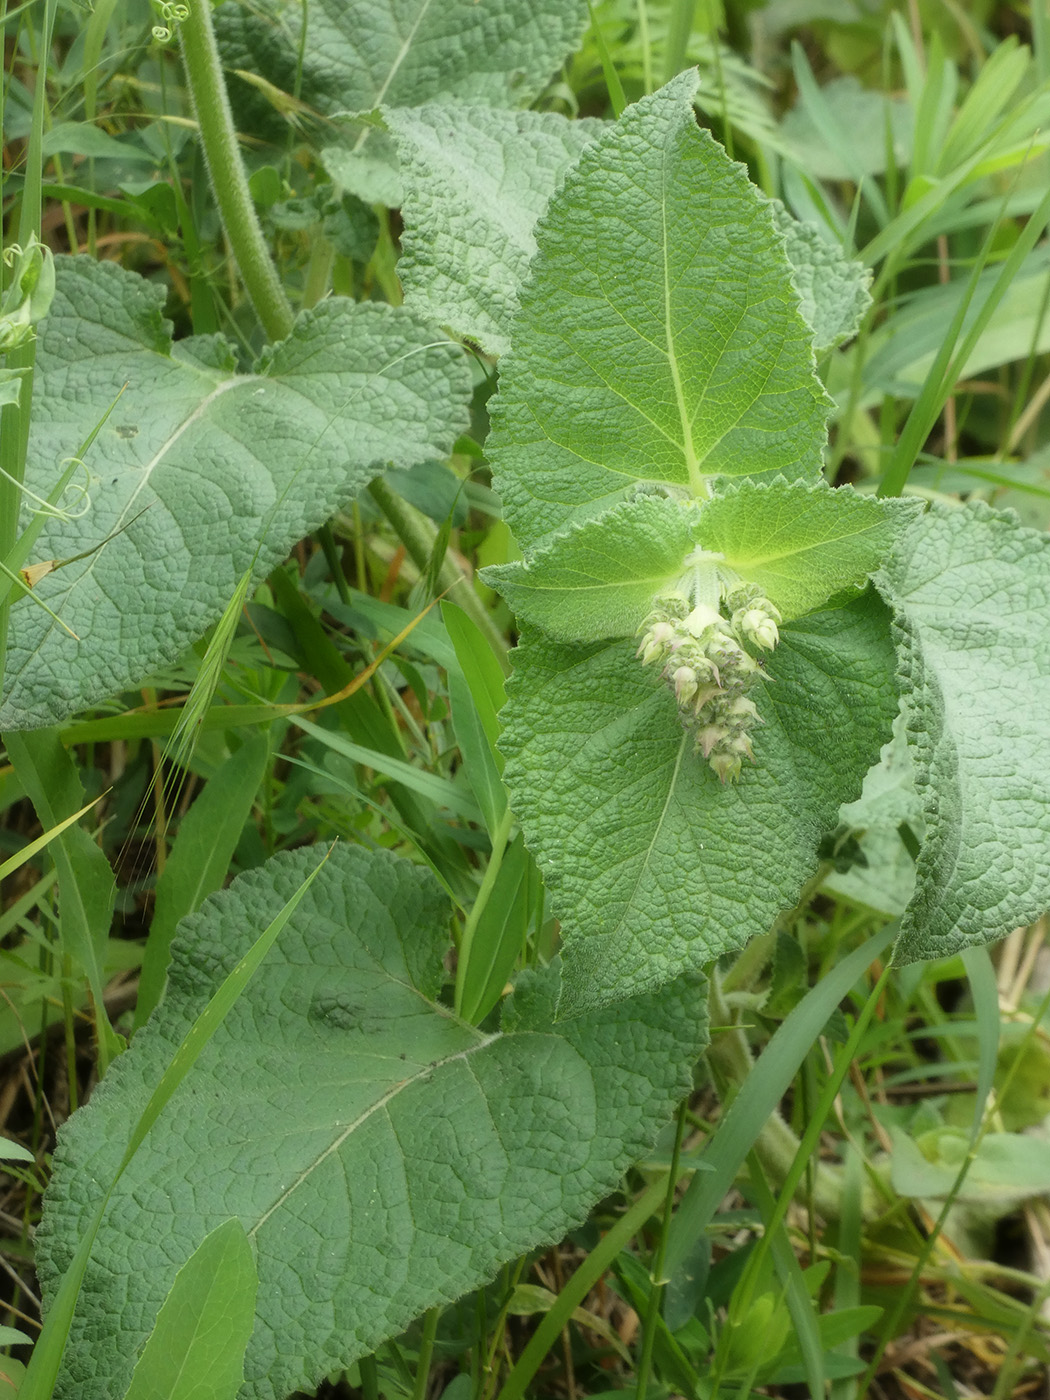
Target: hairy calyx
699, 634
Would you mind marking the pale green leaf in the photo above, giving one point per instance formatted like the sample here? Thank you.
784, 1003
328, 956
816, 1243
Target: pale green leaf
196, 1350
475, 182
201, 472
888, 803
84, 139
801, 543
598, 579
360, 54
833, 288
852, 119
971, 589
1008, 1167
902, 352
11, 1151
695, 362
651, 864
382, 1156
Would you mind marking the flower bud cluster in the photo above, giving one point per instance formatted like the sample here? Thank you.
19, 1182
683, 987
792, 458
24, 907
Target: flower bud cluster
704, 658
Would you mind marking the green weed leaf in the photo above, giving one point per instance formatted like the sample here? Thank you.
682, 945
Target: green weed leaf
361, 53
970, 589
697, 363
200, 463
651, 864
475, 182
382, 1155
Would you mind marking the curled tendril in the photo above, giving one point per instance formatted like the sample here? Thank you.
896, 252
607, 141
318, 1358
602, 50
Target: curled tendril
81, 491
171, 15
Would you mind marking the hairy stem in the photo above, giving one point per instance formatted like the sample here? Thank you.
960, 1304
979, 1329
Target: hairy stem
226, 170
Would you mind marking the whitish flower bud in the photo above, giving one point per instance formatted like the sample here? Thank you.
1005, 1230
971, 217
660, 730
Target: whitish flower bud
703, 697
702, 617
741, 708
685, 684
708, 737
758, 627
656, 642
726, 765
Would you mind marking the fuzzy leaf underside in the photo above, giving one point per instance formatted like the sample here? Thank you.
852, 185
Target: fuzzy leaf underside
696, 363
382, 1156
210, 462
361, 53
801, 542
598, 578
833, 288
971, 594
652, 865
475, 182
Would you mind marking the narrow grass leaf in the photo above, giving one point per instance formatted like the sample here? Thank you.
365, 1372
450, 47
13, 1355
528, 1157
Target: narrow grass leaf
477, 753
760, 1094
26, 853
199, 859
953, 354
499, 935
86, 888
985, 992
617, 100
430, 785
481, 670
789, 1270
196, 1350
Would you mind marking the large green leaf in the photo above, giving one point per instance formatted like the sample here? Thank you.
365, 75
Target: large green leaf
970, 589
359, 54
382, 1156
475, 182
659, 338
197, 464
652, 865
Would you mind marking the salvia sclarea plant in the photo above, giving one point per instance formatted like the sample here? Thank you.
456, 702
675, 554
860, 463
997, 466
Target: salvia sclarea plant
714, 647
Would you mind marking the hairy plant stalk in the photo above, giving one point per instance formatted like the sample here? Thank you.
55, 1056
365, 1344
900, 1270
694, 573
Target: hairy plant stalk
244, 232
226, 170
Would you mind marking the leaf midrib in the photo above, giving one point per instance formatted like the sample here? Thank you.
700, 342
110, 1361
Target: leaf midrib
423, 1073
